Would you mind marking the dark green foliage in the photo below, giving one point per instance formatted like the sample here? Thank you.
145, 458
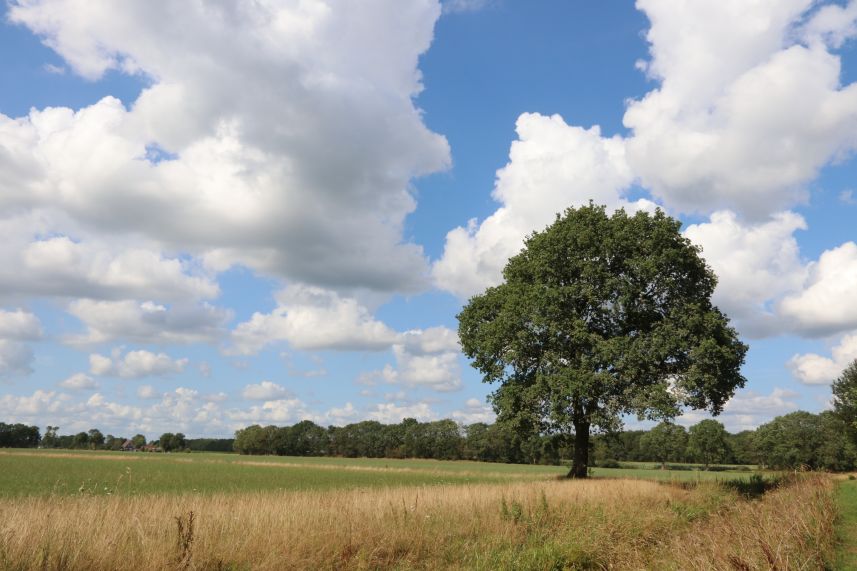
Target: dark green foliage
19, 436
838, 452
96, 439
742, 445
367, 438
81, 440
49, 440
210, 444
170, 442
666, 442
308, 439
65, 441
601, 316
251, 440
623, 446
802, 439
756, 485
845, 395
708, 442
441, 440
114, 442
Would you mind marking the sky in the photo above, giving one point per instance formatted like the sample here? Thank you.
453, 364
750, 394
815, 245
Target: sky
217, 214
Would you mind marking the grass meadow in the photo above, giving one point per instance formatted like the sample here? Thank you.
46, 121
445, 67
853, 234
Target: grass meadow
100, 511
846, 495
71, 472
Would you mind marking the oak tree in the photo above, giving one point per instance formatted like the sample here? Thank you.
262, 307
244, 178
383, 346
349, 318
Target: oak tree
601, 316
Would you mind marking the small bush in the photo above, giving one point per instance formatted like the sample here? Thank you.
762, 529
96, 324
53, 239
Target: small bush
755, 486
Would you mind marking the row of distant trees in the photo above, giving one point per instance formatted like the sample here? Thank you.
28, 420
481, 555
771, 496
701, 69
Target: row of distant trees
800, 439
441, 439
25, 436
826, 441
818, 441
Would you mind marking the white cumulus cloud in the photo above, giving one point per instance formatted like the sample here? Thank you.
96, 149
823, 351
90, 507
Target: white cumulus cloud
282, 136
147, 322
313, 318
827, 303
755, 263
427, 358
135, 364
815, 369
392, 413
745, 115
79, 382
266, 390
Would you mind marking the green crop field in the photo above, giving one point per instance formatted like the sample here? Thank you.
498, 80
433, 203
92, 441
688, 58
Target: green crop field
39, 473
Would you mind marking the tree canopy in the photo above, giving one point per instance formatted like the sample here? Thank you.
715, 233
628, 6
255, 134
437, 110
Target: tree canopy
845, 395
801, 439
708, 442
666, 442
601, 316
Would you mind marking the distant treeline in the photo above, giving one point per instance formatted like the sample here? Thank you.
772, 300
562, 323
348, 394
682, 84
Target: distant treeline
19, 436
25, 436
440, 439
800, 439
210, 444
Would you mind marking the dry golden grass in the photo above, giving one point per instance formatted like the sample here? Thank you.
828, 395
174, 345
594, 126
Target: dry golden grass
789, 528
605, 524
26, 452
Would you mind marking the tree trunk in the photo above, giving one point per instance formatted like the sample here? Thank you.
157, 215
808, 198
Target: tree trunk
580, 461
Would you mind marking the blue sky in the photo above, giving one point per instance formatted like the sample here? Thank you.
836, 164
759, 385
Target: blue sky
220, 216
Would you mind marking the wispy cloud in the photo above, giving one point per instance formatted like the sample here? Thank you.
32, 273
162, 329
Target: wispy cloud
54, 69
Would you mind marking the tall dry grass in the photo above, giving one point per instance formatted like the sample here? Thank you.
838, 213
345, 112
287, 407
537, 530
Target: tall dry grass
789, 528
606, 524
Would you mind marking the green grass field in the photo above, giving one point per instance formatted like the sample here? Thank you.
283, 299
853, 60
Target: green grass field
46, 472
846, 529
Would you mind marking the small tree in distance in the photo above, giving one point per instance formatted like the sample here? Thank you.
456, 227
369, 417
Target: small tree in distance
170, 442
666, 442
50, 438
708, 442
96, 439
601, 316
138, 441
81, 440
